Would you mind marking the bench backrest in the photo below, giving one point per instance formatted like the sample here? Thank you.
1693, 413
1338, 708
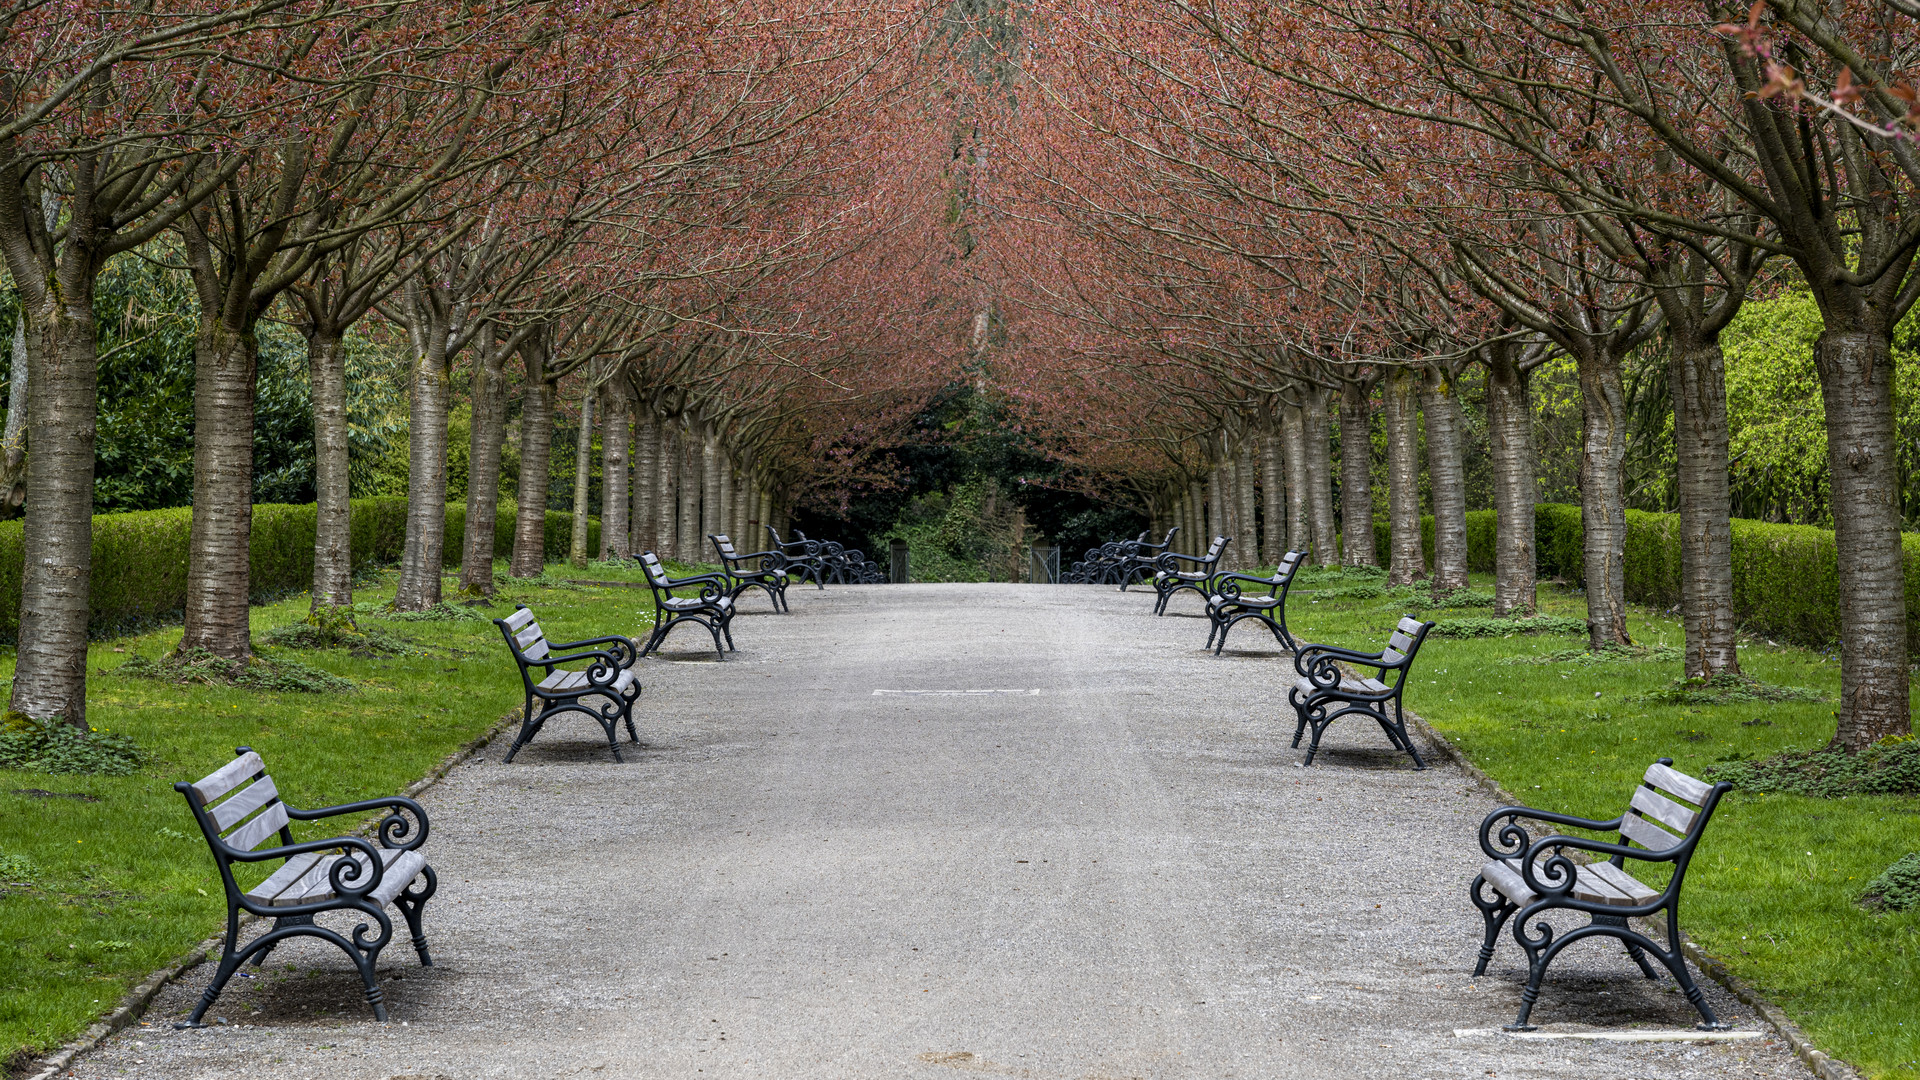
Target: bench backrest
657, 578
239, 809
1283, 574
1669, 808
1218, 546
724, 546
524, 636
1402, 645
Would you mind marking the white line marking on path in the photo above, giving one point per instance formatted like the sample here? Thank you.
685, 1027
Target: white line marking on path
1026, 693
1615, 1036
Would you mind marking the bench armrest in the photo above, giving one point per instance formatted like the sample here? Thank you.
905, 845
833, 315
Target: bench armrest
608, 662
1513, 839
349, 876
743, 557
612, 639
1321, 663
1557, 874
695, 579
1165, 559
394, 829
1224, 582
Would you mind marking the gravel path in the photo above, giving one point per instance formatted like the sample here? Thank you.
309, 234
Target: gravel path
810, 872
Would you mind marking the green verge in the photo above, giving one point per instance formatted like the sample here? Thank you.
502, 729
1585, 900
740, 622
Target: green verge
103, 879
1773, 890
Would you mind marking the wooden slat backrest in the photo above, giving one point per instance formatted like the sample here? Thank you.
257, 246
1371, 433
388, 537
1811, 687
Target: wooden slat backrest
1678, 783
255, 832
250, 798
1287, 564
228, 776
1406, 637
1219, 544
1652, 804
1650, 808
532, 642
520, 617
726, 547
1646, 833
650, 564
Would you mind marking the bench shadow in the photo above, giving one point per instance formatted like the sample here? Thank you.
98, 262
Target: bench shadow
1354, 757
1590, 993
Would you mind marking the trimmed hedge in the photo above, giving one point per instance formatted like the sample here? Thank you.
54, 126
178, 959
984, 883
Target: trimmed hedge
140, 558
1480, 539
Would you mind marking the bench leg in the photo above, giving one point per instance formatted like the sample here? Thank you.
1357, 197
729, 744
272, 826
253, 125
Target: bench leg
1495, 911
529, 727
1319, 726
411, 904
1214, 629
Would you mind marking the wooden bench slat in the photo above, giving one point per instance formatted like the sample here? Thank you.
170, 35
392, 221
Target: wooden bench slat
528, 636
290, 871
1678, 783
1662, 809
230, 813
1649, 835
1409, 625
255, 832
1631, 888
228, 776
519, 618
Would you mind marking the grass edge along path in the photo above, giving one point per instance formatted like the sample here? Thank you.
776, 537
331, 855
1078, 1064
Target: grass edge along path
1771, 891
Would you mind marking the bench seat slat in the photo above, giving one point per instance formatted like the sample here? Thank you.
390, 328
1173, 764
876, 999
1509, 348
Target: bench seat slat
1662, 809
314, 881
230, 813
1365, 686
255, 832
1679, 783
228, 776
1596, 883
569, 680
1649, 835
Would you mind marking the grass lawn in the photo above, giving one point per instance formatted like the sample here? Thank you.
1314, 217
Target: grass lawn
1772, 889
119, 880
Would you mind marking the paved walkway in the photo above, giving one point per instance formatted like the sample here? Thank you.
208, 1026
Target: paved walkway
1098, 861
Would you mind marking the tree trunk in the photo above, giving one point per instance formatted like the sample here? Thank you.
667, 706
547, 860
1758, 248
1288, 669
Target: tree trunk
582, 480
1293, 429
13, 440
1447, 476
646, 482
1248, 500
1273, 496
1319, 447
1197, 511
332, 508
218, 547
483, 469
1697, 378
667, 503
50, 675
1515, 487
713, 467
691, 490
724, 481
536, 449
1407, 561
1217, 523
1356, 475
1603, 509
423, 559
613, 477
1856, 382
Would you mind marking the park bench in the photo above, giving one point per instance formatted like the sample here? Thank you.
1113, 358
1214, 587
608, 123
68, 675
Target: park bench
1139, 564
553, 690
1168, 578
713, 608
1229, 603
1666, 815
1323, 693
770, 575
239, 809
803, 557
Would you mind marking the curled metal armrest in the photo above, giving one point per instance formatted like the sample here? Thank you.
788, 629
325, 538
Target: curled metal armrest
626, 645
330, 844
1514, 839
1556, 875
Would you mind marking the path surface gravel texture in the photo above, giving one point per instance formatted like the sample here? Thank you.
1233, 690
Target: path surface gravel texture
1098, 861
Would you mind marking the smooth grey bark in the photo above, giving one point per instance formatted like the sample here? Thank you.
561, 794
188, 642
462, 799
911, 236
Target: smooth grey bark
225, 362
1356, 473
1407, 561
1319, 451
536, 450
582, 479
1697, 380
1293, 430
1515, 483
1856, 384
332, 505
1273, 496
1446, 476
646, 482
614, 476
483, 464
1603, 508
1246, 505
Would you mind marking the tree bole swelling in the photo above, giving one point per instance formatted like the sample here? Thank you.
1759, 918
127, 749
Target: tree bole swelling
1856, 381
225, 365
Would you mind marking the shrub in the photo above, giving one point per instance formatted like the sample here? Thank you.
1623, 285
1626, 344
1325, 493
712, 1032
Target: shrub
54, 746
140, 558
1480, 539
1889, 767
1897, 888
1473, 627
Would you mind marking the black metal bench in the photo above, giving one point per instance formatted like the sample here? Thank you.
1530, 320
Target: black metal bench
555, 690
1168, 578
239, 809
1323, 694
1229, 603
770, 576
1666, 816
803, 558
1139, 564
713, 608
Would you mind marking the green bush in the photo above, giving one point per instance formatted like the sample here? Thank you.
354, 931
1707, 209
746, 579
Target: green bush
140, 558
1480, 533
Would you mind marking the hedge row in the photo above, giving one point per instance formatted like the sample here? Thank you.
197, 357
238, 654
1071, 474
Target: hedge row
1785, 577
140, 558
